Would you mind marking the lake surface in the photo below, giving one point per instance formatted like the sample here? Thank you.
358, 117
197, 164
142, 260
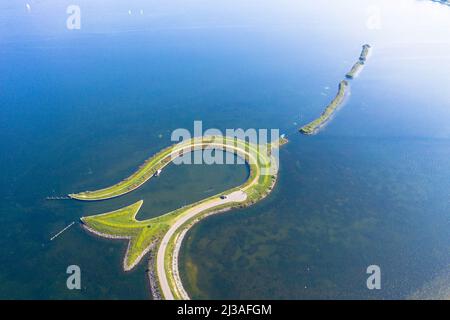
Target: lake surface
82, 109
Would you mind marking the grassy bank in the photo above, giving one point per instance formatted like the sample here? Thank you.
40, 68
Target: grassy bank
315, 125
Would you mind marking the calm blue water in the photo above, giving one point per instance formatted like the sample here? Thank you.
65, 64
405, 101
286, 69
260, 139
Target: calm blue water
81, 109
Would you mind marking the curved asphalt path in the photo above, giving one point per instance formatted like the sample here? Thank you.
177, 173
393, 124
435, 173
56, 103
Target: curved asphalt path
237, 196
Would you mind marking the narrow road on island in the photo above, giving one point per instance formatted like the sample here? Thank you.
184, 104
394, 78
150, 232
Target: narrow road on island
237, 196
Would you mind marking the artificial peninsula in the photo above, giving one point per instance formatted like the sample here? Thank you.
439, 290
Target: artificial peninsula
162, 235
314, 126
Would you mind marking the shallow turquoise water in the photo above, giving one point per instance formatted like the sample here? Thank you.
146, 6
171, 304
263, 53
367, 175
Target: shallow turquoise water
82, 109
